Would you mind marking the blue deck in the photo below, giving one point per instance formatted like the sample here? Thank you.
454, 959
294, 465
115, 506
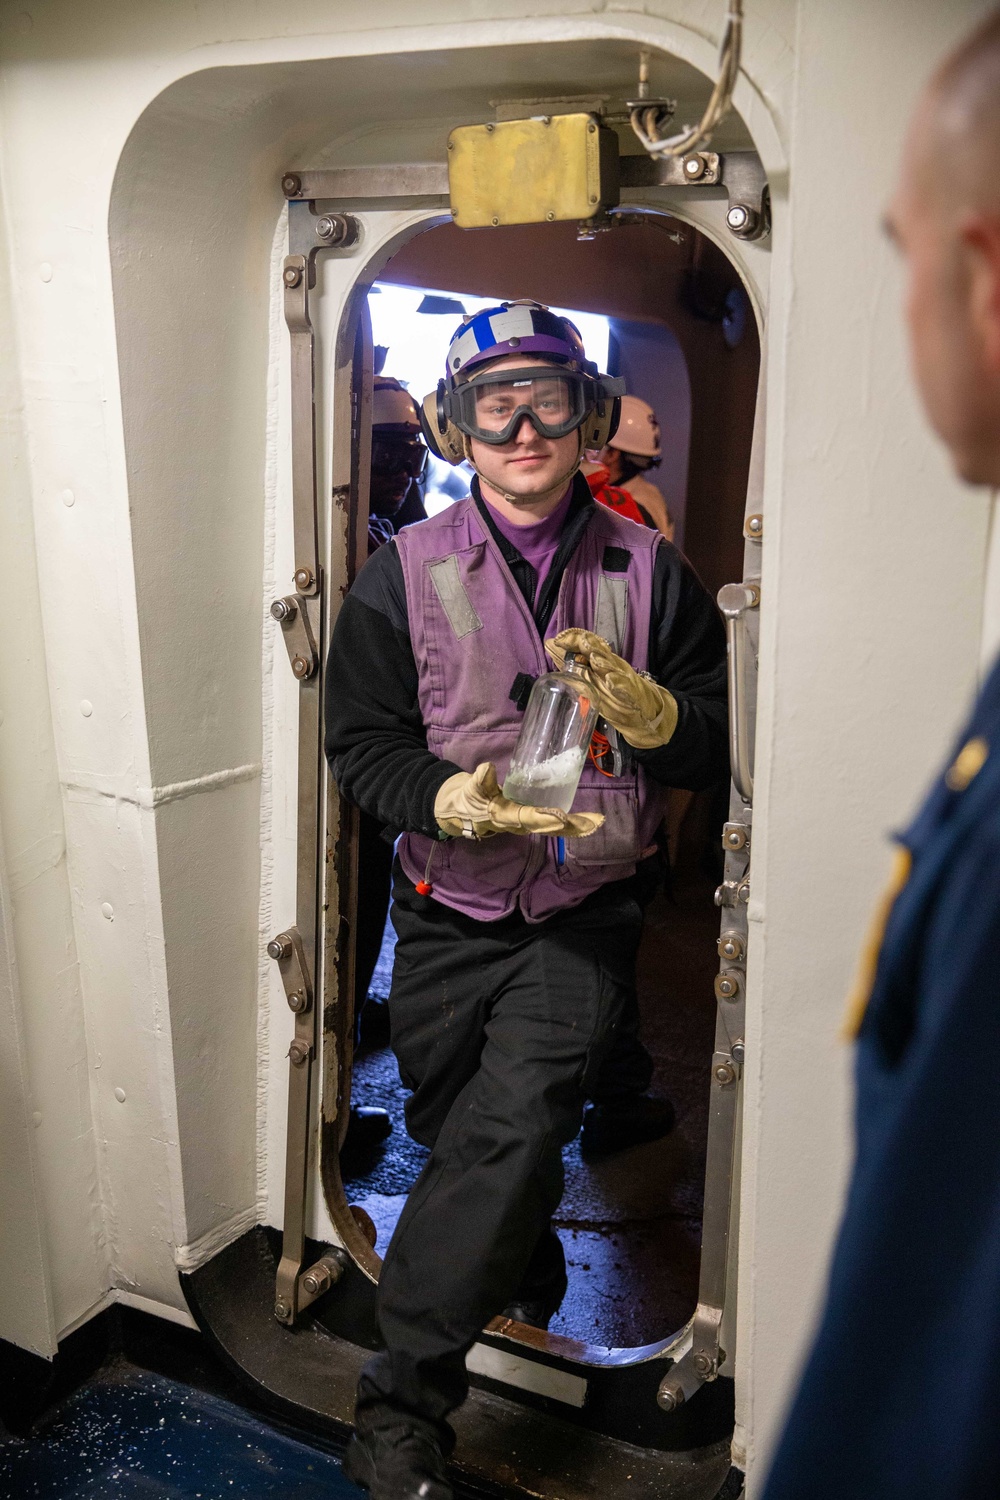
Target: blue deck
128, 1433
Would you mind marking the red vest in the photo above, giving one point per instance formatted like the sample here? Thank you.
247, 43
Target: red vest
614, 497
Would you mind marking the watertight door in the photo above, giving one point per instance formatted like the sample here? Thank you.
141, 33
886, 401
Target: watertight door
342, 227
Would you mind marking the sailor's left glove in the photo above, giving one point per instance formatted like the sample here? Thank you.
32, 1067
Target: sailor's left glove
644, 713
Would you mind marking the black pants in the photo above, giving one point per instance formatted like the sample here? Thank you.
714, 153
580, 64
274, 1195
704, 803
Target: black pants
500, 1030
628, 1068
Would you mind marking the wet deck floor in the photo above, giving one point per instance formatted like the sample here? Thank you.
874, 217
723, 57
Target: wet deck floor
128, 1433
630, 1225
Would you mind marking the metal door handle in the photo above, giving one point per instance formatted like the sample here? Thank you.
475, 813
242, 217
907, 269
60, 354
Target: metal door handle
734, 600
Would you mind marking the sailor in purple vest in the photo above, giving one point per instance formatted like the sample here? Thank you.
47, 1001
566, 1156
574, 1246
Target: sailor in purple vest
517, 926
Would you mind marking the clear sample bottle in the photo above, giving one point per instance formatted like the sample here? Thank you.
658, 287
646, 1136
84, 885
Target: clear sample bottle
552, 747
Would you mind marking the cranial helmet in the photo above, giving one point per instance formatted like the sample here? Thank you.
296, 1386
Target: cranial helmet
638, 431
477, 400
393, 408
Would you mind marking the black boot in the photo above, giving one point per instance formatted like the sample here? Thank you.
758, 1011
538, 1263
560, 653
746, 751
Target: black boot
535, 1314
543, 1285
609, 1128
367, 1129
397, 1463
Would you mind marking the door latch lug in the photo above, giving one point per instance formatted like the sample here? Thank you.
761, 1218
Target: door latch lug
322, 1275
292, 614
310, 1284
287, 951
669, 1397
733, 893
338, 231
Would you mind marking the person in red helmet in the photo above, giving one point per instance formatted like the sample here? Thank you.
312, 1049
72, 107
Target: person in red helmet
611, 495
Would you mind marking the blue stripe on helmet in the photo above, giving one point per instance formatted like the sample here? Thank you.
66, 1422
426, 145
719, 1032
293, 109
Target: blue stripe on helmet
495, 327
482, 327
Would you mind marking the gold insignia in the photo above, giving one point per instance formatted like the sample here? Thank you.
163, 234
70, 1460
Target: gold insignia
857, 1000
965, 768
967, 764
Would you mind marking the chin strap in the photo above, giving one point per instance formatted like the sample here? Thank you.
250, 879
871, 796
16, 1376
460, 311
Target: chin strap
518, 499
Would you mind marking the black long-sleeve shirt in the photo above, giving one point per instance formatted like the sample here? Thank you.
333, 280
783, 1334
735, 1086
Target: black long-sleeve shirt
375, 737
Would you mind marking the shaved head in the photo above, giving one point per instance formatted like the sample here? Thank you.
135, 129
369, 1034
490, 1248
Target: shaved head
961, 128
945, 218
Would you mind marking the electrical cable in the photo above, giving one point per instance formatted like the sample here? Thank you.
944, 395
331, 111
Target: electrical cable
644, 118
600, 746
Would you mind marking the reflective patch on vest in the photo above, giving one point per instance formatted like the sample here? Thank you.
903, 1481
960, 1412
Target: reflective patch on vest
611, 612
455, 601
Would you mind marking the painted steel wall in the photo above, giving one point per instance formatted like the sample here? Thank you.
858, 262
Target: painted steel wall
873, 570
139, 154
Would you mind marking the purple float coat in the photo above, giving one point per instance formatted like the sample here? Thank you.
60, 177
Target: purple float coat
472, 633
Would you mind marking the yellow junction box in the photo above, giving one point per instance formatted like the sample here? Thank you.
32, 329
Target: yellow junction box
539, 171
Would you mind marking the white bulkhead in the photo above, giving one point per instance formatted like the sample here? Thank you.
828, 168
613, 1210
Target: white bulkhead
146, 739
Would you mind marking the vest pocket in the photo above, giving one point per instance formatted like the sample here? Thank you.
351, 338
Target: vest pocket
481, 878
493, 867
468, 748
616, 842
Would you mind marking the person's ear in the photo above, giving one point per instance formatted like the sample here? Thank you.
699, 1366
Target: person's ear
981, 237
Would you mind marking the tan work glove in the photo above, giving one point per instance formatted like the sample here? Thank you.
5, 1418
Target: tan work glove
644, 713
472, 806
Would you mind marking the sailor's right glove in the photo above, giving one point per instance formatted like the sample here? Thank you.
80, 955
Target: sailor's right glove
471, 805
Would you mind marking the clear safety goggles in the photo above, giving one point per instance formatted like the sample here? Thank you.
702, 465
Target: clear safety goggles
492, 406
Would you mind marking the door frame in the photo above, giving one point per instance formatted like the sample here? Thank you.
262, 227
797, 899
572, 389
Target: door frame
336, 213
